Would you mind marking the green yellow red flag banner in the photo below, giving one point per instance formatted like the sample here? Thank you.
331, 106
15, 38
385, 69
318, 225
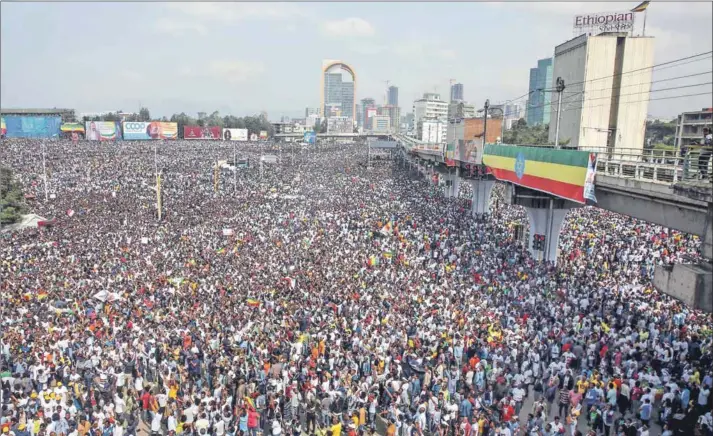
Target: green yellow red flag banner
567, 174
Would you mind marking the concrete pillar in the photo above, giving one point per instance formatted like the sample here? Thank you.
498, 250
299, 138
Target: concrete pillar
541, 224
707, 245
481, 196
455, 186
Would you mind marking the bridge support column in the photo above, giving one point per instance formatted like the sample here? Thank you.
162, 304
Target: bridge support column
454, 184
481, 196
546, 222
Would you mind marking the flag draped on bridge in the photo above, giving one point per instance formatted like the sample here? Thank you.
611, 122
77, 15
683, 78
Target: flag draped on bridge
564, 173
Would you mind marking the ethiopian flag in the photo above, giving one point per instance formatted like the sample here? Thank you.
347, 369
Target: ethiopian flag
253, 302
642, 7
567, 174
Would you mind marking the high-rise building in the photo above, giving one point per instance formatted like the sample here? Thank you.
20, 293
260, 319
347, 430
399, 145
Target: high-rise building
311, 111
359, 115
456, 92
595, 112
381, 124
431, 131
337, 95
430, 107
538, 109
369, 107
393, 97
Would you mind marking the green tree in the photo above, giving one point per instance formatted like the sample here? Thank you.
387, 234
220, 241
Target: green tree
11, 198
144, 114
659, 132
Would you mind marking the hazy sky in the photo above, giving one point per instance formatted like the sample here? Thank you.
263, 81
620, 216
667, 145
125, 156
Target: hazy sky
242, 58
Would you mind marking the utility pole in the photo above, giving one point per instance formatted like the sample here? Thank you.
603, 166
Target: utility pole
485, 123
44, 170
159, 201
215, 177
560, 88
235, 168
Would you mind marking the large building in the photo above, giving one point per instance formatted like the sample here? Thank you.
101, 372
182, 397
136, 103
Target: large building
368, 105
605, 102
431, 131
337, 95
456, 92
381, 124
311, 111
460, 109
689, 126
430, 107
393, 96
340, 125
538, 104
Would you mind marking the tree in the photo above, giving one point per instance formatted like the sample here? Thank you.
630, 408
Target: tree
10, 198
658, 132
522, 134
144, 114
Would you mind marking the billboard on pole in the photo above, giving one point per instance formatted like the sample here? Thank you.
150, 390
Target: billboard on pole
140, 130
235, 134
197, 132
102, 130
310, 137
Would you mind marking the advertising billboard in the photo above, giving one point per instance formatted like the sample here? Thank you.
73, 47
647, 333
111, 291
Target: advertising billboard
310, 137
102, 130
197, 132
235, 134
263, 134
24, 126
3, 127
150, 130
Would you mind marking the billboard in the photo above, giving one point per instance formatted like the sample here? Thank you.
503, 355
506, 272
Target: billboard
150, 130
263, 134
3, 127
102, 130
594, 24
197, 132
28, 126
253, 137
235, 134
370, 112
310, 137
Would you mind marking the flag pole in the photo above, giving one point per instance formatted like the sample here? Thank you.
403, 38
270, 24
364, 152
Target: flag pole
643, 33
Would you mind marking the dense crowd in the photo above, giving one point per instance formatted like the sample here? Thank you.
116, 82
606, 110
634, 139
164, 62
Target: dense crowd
318, 295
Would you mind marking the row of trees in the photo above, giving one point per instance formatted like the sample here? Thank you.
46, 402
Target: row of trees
522, 134
254, 124
10, 198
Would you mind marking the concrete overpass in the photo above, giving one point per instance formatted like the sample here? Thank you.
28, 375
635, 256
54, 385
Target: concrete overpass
655, 189
335, 135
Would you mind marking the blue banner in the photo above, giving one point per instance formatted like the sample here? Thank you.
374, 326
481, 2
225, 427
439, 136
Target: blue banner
310, 137
27, 126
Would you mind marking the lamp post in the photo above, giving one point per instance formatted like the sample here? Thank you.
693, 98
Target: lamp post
485, 122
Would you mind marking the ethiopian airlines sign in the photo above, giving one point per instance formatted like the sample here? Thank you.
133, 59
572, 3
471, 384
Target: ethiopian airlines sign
594, 24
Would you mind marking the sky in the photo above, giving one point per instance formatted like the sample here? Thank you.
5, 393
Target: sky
243, 58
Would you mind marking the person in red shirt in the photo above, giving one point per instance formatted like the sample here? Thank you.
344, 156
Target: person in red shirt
146, 403
253, 421
507, 412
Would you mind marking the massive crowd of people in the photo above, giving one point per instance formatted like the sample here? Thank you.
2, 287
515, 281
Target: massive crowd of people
321, 295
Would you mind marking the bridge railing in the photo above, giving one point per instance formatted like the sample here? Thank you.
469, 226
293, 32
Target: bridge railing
659, 166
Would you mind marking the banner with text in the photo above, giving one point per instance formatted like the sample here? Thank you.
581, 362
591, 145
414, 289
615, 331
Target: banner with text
102, 130
263, 135
150, 130
197, 132
235, 134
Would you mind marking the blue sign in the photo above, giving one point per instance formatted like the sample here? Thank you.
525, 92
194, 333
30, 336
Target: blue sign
310, 137
25, 126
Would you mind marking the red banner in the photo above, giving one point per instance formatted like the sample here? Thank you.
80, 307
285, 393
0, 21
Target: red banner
197, 132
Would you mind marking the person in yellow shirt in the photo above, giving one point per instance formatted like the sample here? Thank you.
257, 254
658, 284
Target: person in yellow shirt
336, 427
